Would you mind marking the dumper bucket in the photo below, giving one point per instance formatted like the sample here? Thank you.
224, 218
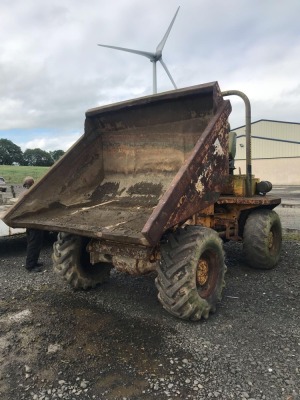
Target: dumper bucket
140, 168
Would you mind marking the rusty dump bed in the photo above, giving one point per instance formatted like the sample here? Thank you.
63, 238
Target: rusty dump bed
141, 167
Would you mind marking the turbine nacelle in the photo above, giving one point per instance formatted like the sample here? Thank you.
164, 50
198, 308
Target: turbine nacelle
156, 57
153, 57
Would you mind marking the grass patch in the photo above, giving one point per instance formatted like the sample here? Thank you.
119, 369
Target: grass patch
16, 174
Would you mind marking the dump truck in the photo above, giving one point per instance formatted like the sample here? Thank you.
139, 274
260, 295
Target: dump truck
151, 186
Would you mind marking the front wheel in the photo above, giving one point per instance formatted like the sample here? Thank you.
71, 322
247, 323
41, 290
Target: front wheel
71, 261
191, 273
262, 239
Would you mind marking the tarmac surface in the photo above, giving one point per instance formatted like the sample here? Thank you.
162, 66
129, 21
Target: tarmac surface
289, 209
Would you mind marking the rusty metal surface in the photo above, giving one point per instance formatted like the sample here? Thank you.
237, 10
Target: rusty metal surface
117, 182
200, 180
255, 200
133, 267
118, 249
128, 258
224, 215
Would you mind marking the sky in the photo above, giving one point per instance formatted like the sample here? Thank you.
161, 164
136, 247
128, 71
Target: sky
52, 71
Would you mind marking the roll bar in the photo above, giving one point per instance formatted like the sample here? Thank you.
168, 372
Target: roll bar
248, 137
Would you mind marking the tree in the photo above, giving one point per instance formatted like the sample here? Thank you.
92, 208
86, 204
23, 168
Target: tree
37, 157
56, 154
10, 153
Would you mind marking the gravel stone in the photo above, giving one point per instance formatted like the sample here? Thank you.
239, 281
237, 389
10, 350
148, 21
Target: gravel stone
116, 342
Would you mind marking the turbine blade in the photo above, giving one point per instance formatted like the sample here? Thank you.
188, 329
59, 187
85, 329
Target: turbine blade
161, 45
139, 52
168, 73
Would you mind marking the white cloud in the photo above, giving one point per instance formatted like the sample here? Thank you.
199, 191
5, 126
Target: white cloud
51, 143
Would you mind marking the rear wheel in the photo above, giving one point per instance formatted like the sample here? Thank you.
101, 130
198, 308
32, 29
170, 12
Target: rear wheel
191, 273
71, 260
262, 239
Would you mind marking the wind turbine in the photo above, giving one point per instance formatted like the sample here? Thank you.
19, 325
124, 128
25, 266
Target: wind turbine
153, 57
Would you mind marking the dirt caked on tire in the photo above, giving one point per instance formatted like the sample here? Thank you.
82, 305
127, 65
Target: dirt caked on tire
262, 239
191, 273
71, 260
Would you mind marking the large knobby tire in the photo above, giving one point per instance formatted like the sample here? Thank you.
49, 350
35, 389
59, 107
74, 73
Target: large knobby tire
191, 272
71, 260
262, 239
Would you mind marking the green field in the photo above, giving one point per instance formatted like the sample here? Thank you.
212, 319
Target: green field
16, 174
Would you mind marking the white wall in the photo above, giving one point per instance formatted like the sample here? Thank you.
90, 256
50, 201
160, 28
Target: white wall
281, 171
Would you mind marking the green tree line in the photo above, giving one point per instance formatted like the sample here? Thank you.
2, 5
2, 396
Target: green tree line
11, 154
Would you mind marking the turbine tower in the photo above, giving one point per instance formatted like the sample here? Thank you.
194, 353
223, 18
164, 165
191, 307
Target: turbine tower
153, 57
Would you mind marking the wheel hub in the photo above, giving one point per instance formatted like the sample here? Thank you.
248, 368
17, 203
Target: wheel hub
202, 272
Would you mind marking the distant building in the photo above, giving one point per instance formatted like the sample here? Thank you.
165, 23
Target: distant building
275, 151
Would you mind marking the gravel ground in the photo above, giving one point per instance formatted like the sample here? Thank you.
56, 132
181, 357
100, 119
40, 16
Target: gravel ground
116, 341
